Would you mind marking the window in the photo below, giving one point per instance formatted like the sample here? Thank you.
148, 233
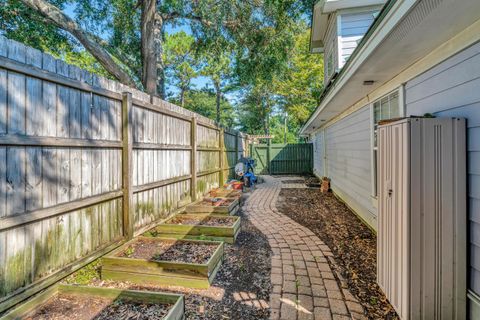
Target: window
387, 107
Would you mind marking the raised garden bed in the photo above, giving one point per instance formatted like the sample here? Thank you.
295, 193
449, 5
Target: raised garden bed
85, 303
164, 261
225, 193
199, 226
214, 205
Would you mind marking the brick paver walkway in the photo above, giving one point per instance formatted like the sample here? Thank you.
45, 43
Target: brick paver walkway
304, 285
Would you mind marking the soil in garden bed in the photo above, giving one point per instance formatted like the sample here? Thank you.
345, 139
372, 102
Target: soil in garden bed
293, 181
203, 221
240, 290
180, 251
69, 307
216, 202
351, 241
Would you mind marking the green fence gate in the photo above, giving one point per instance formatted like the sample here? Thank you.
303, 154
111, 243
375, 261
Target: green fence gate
290, 158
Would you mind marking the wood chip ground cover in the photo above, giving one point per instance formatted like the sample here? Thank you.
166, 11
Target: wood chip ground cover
207, 221
240, 290
72, 307
352, 243
188, 252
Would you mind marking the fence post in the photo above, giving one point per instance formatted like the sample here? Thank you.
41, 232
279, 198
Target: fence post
222, 157
269, 151
127, 169
193, 159
236, 146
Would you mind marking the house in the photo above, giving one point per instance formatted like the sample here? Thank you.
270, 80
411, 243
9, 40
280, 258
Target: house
390, 59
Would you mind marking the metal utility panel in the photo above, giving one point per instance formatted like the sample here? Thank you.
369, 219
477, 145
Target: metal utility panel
422, 219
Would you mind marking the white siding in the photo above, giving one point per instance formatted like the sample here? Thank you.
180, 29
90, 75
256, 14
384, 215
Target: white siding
451, 89
348, 162
331, 47
318, 148
353, 28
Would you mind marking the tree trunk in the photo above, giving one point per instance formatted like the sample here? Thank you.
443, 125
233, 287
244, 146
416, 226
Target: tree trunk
159, 38
149, 54
182, 97
266, 126
218, 99
58, 18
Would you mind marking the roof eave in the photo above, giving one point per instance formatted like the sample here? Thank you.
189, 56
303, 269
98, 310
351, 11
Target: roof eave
383, 13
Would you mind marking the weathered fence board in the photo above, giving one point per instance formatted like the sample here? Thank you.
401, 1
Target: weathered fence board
86, 163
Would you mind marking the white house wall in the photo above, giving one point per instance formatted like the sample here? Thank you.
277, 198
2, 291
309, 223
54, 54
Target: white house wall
452, 89
331, 45
318, 153
348, 162
353, 27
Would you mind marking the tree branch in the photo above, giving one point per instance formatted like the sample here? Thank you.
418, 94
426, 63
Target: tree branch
58, 18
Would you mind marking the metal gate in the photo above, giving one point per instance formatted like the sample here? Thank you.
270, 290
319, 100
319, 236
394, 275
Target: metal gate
290, 158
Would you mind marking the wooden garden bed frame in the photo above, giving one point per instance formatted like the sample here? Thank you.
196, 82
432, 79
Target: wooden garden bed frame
176, 312
225, 193
198, 207
226, 234
144, 271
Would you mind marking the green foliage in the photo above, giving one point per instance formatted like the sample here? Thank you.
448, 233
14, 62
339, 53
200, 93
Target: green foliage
22, 24
294, 88
129, 251
180, 60
85, 275
300, 86
277, 129
203, 102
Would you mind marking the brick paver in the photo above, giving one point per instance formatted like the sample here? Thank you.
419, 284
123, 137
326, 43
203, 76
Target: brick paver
303, 284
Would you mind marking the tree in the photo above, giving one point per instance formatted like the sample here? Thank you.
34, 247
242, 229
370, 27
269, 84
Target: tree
208, 18
54, 15
299, 87
20, 23
293, 86
217, 67
180, 61
203, 102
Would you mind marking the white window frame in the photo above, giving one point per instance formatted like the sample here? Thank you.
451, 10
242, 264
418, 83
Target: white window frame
373, 148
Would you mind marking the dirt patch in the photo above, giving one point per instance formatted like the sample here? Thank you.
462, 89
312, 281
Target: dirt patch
351, 241
180, 251
205, 221
67, 307
240, 290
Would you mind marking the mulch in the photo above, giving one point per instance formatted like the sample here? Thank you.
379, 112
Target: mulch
180, 251
67, 307
206, 221
240, 290
351, 241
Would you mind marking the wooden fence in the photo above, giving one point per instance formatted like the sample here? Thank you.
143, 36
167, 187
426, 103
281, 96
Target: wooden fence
86, 163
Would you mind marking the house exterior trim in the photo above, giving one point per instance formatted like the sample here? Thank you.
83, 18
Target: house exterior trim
391, 14
463, 40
